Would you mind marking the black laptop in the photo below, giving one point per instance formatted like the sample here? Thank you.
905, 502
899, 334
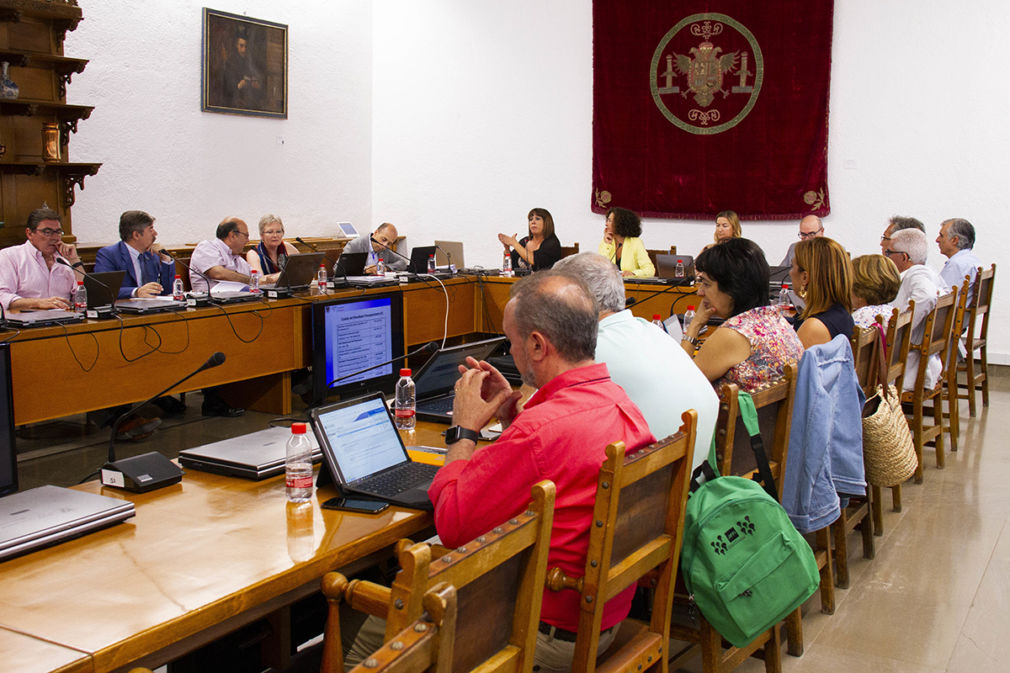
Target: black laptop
435, 380
103, 288
419, 258
365, 454
351, 264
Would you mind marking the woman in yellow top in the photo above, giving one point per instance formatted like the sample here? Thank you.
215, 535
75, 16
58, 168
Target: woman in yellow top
622, 246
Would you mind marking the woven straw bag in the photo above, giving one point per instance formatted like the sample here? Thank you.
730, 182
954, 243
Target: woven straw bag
888, 452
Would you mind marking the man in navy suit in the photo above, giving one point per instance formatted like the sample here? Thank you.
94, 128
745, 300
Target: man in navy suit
148, 272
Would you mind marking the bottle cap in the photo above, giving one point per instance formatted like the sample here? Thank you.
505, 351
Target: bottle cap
404, 372
655, 316
322, 266
690, 308
80, 282
178, 277
297, 428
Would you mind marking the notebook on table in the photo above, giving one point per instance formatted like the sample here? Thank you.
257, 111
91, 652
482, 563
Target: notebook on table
257, 455
47, 515
365, 454
435, 380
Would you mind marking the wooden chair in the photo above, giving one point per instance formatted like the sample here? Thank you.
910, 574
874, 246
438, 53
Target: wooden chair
652, 253
935, 341
976, 369
499, 578
949, 376
427, 643
638, 529
567, 250
774, 404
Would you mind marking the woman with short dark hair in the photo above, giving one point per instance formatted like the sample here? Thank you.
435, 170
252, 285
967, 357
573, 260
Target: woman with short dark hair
755, 343
622, 243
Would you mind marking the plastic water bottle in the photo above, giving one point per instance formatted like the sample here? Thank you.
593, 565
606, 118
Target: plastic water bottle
380, 267
688, 317
321, 277
405, 402
678, 271
254, 281
81, 299
658, 321
506, 264
298, 465
784, 295
431, 263
178, 289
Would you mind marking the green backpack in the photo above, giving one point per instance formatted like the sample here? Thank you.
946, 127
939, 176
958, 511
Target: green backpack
744, 563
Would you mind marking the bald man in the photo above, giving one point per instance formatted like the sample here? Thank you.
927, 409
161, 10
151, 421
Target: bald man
810, 227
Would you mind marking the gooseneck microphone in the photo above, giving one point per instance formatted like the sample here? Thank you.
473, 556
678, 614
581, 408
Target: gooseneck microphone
306, 244
380, 243
448, 255
210, 281
84, 274
213, 361
429, 347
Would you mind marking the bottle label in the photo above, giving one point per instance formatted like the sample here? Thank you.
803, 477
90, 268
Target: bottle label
299, 481
404, 413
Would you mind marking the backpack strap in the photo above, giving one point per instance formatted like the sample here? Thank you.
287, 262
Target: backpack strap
749, 416
709, 469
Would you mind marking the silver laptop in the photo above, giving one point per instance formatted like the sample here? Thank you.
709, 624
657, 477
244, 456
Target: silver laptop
257, 455
46, 318
142, 305
666, 266
46, 515
435, 380
449, 252
365, 455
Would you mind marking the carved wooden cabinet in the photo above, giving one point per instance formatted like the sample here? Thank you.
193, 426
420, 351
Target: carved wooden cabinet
31, 42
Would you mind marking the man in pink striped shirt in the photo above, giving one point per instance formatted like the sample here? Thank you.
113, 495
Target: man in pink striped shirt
30, 276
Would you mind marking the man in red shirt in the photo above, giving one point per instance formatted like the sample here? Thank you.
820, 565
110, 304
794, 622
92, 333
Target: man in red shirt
560, 434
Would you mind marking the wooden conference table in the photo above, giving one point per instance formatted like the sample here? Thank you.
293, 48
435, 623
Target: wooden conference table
200, 559
60, 371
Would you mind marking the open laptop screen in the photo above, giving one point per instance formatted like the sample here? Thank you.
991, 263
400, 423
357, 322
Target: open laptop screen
361, 436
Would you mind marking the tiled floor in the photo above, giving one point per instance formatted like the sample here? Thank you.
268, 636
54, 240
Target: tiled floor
934, 599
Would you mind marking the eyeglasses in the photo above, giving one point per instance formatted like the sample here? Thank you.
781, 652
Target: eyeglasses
273, 232
809, 234
50, 232
885, 238
894, 252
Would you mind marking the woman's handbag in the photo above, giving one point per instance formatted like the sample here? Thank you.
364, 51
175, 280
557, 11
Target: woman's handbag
888, 452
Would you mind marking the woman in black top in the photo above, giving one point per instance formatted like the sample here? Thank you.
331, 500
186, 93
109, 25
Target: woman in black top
823, 269
540, 248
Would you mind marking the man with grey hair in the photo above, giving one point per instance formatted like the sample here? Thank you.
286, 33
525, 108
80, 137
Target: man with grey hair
652, 368
907, 249
897, 223
956, 240
811, 226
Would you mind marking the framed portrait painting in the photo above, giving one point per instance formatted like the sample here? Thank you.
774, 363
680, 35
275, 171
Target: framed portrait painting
245, 65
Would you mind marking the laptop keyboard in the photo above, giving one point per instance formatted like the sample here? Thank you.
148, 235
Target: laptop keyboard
403, 478
439, 405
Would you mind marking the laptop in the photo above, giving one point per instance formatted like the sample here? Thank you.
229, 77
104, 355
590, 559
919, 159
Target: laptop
365, 455
449, 252
666, 266
419, 258
257, 455
145, 305
46, 318
435, 380
232, 297
47, 515
103, 288
347, 229
299, 271
351, 264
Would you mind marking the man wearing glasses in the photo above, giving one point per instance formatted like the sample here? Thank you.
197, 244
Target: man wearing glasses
30, 277
897, 223
810, 227
907, 249
224, 257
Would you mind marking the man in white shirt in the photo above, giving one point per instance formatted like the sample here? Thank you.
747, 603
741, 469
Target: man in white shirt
956, 240
811, 226
223, 258
907, 249
653, 369
378, 246
897, 223
30, 276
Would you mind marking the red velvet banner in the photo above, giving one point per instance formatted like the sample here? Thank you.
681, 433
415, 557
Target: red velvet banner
701, 106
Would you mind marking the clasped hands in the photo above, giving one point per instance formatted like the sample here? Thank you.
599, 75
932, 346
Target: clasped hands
482, 393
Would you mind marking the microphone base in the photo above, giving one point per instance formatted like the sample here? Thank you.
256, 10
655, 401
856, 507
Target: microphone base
278, 292
140, 474
197, 300
100, 313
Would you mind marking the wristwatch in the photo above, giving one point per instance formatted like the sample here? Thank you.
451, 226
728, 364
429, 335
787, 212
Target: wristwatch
456, 433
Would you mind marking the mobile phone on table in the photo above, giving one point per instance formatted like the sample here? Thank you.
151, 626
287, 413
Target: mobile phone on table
355, 505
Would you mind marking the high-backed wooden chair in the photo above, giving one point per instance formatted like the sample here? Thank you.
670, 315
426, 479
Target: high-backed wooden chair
653, 252
499, 578
976, 333
949, 375
935, 341
897, 341
567, 250
774, 404
638, 523
427, 643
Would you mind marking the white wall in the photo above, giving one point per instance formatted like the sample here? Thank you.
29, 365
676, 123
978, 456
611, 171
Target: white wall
189, 168
483, 110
